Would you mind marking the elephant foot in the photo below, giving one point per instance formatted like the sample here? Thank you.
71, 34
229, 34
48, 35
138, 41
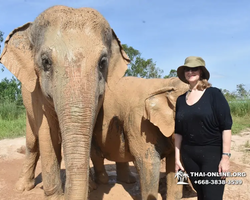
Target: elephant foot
126, 177
123, 173
24, 184
139, 197
92, 185
102, 177
54, 194
55, 197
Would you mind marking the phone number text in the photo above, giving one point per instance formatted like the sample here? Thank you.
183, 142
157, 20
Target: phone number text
219, 182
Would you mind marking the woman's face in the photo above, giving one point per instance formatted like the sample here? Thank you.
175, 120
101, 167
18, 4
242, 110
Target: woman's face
193, 74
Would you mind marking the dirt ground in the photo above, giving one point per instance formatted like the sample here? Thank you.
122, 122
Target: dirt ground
11, 161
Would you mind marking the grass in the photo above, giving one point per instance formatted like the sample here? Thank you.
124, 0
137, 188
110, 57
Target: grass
240, 111
13, 128
240, 108
240, 123
12, 120
10, 111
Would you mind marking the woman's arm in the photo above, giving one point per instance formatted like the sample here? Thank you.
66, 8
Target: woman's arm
178, 140
226, 141
226, 146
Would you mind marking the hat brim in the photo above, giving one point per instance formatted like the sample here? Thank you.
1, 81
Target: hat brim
181, 75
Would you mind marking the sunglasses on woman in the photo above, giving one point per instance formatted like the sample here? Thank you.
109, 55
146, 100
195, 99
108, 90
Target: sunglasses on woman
192, 69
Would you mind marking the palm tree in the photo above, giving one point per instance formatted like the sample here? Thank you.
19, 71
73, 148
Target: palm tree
185, 176
181, 176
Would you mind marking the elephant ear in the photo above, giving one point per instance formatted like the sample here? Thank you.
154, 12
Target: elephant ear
17, 57
160, 110
118, 61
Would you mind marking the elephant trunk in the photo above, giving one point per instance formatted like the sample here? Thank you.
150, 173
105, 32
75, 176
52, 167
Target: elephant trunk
77, 134
77, 109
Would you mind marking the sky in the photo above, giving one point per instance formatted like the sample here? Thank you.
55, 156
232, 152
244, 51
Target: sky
167, 31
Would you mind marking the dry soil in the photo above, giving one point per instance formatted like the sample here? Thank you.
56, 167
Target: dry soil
12, 156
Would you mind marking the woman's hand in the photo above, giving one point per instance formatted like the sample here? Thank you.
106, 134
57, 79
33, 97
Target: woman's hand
224, 165
178, 166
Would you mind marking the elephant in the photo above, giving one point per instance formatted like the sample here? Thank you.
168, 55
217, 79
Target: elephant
64, 60
136, 123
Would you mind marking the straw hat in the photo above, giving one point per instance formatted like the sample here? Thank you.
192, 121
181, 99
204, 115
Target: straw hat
193, 61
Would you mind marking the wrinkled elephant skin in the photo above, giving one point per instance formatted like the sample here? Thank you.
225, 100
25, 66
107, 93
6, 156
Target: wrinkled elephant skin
64, 60
136, 123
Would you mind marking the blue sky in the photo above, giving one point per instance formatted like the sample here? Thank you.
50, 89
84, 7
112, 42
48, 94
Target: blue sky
165, 30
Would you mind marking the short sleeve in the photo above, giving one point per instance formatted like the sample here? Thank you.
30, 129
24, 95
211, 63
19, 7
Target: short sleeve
222, 110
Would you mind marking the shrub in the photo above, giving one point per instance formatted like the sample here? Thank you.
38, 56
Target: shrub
240, 108
10, 111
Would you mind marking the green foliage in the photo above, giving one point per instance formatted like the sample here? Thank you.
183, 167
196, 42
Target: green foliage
240, 108
11, 103
10, 91
240, 123
239, 103
131, 52
12, 111
242, 93
13, 128
140, 67
172, 73
230, 96
1, 40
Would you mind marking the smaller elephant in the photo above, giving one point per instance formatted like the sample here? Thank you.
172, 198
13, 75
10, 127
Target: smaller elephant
136, 123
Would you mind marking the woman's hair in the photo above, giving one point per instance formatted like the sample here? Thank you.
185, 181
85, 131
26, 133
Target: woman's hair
203, 84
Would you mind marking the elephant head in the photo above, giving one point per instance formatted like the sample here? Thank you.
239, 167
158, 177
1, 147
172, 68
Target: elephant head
69, 54
160, 105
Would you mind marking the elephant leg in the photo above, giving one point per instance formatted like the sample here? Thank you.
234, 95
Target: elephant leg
174, 191
149, 171
145, 144
148, 166
123, 173
50, 150
92, 184
101, 175
27, 176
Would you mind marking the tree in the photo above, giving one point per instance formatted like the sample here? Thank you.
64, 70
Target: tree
229, 95
140, 67
10, 91
242, 93
172, 73
1, 40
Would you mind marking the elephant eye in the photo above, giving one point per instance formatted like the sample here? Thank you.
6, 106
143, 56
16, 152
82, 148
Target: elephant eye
103, 63
46, 63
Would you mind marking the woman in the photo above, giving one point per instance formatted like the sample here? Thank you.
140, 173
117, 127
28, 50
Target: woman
202, 131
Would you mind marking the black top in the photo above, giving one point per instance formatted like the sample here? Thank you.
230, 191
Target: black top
203, 122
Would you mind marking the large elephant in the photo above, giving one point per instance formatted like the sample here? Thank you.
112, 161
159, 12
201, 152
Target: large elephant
136, 123
63, 59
